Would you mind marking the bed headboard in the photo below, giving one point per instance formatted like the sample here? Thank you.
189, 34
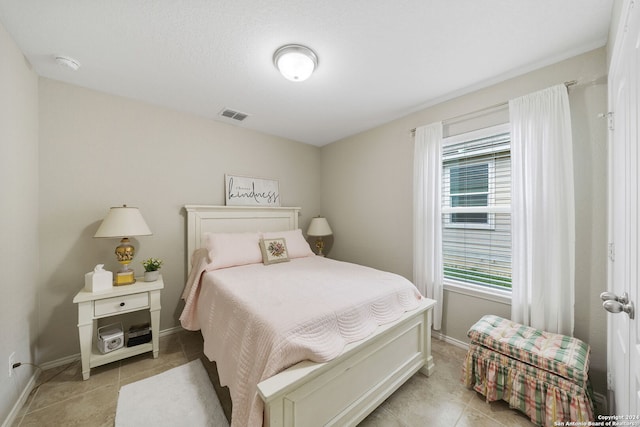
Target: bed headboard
235, 219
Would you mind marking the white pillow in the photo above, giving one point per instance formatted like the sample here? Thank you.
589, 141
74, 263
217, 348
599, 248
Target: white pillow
297, 246
232, 249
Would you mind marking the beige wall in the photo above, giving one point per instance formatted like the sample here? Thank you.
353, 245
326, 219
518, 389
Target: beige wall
98, 151
18, 218
367, 195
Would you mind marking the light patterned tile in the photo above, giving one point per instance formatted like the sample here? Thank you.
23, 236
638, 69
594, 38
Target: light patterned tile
96, 408
411, 411
66, 382
170, 353
160, 367
500, 411
381, 418
446, 381
471, 418
449, 351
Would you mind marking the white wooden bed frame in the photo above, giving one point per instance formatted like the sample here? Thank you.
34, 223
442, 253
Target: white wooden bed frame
343, 391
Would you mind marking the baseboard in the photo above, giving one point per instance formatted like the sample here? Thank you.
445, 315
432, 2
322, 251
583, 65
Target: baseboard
9, 421
60, 362
54, 364
174, 330
461, 344
601, 404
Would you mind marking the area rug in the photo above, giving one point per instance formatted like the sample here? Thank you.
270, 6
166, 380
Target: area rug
182, 396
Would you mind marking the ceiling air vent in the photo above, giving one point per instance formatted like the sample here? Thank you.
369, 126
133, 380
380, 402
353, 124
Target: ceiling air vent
232, 114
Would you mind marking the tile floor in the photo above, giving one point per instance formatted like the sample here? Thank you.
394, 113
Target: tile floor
64, 399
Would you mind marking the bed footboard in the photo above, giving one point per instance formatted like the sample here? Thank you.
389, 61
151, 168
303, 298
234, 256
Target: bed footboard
344, 391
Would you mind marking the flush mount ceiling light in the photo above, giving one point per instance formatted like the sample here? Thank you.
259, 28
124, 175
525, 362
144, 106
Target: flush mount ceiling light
295, 62
68, 62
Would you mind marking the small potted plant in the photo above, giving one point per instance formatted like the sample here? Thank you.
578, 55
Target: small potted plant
151, 269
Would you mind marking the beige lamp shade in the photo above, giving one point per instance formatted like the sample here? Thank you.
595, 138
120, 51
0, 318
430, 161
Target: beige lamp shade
319, 227
123, 222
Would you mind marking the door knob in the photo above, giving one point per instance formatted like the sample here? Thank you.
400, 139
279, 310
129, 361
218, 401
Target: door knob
606, 296
613, 306
610, 296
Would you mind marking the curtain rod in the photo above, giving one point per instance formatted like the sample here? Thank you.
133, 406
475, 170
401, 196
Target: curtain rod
489, 108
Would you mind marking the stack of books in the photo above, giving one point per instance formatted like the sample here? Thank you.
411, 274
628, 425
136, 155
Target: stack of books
138, 334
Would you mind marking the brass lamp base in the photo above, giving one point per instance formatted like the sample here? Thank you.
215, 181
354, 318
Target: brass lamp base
124, 278
125, 252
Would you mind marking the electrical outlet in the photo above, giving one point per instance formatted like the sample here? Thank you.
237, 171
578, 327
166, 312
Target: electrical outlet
11, 362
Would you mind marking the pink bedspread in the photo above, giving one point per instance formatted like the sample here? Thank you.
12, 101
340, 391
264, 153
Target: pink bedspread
258, 320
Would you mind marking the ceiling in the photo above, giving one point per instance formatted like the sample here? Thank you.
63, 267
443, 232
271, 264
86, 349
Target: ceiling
378, 59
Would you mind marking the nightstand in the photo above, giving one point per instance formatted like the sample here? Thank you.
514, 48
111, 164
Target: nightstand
121, 299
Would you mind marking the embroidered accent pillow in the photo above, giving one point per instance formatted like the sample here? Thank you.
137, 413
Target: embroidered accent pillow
297, 246
274, 251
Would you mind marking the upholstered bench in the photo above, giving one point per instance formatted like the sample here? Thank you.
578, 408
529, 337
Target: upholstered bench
542, 374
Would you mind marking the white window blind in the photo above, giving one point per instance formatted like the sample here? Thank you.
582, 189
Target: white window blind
476, 208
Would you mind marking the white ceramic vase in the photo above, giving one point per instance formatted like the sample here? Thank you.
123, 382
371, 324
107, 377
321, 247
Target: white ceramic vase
151, 276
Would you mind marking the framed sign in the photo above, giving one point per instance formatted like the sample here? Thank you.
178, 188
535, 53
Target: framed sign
246, 191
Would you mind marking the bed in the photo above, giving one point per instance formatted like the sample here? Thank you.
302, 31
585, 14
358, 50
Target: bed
342, 386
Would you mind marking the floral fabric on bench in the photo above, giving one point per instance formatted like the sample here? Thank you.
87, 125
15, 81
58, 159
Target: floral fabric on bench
542, 374
560, 354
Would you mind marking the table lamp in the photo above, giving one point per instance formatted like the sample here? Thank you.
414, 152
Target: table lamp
318, 228
124, 222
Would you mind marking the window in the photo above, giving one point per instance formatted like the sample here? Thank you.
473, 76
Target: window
468, 186
476, 208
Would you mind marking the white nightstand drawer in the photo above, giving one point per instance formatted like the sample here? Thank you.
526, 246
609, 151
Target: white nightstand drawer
109, 306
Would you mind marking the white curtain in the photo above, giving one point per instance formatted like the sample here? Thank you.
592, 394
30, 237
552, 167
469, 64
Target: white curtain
543, 211
427, 218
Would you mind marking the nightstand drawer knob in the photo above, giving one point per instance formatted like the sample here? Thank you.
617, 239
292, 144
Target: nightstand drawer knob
121, 304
